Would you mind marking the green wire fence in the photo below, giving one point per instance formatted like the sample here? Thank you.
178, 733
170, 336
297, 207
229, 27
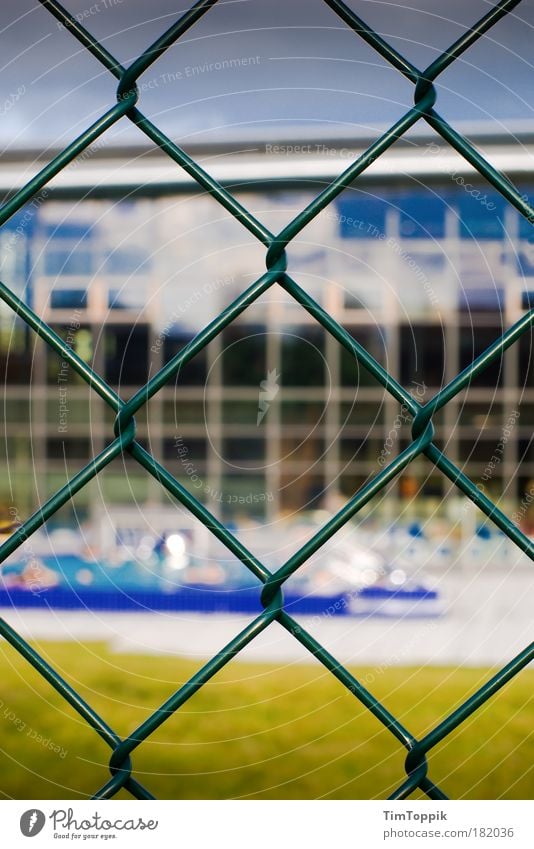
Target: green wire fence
425, 95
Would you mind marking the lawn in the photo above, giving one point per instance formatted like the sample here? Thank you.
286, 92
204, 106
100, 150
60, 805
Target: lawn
256, 731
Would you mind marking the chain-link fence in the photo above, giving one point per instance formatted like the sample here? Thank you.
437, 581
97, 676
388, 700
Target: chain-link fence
120, 764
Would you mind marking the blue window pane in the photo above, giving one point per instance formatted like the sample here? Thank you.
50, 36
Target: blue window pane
66, 299
422, 216
70, 230
71, 262
24, 221
129, 261
360, 216
525, 260
481, 217
481, 299
526, 229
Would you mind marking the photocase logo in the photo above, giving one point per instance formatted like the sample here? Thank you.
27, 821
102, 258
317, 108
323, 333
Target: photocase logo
268, 391
32, 822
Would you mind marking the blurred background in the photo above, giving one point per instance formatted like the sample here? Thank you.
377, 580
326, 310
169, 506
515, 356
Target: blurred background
273, 426
421, 261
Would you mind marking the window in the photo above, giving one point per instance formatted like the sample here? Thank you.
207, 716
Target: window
242, 494
244, 451
305, 451
73, 261
526, 450
127, 261
16, 352
475, 340
303, 362
360, 215
526, 358
480, 217
16, 410
422, 354
192, 373
481, 451
126, 354
360, 450
244, 355
302, 492
489, 298
351, 372
361, 415
481, 416
79, 339
243, 413
421, 216
71, 448
180, 412
65, 299
306, 414
184, 449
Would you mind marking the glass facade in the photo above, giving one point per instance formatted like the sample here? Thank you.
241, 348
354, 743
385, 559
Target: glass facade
273, 415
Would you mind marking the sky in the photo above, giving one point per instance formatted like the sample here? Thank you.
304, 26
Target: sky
257, 68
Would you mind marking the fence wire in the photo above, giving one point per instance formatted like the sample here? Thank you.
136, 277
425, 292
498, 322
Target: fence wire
425, 95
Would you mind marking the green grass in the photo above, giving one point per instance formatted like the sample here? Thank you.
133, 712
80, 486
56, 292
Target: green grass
256, 731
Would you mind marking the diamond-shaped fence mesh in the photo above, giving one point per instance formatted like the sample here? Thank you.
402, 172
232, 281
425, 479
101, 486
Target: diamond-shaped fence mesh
416, 764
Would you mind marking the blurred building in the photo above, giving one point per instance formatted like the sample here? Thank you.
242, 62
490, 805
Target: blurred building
422, 262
